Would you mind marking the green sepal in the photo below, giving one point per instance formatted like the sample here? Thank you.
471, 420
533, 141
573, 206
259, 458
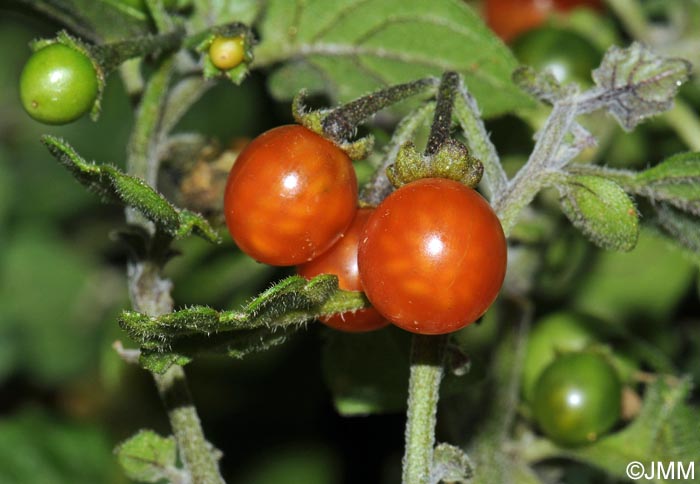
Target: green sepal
64, 38
148, 457
640, 83
313, 120
451, 464
111, 185
602, 210
264, 322
452, 161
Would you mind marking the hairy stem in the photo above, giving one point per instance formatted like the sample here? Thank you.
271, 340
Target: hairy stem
442, 122
195, 451
341, 122
478, 141
427, 354
111, 56
523, 188
142, 160
130, 72
150, 293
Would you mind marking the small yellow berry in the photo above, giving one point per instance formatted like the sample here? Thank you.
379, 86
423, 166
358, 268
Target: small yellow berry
227, 52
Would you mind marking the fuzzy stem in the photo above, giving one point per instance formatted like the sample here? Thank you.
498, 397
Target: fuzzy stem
150, 293
130, 72
478, 141
142, 160
442, 122
427, 355
195, 451
340, 123
523, 188
111, 56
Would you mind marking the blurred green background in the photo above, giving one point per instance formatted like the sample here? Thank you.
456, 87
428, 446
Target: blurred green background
66, 399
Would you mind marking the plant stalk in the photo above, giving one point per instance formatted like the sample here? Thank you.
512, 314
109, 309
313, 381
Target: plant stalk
195, 451
427, 355
340, 123
150, 293
532, 177
111, 56
467, 113
442, 121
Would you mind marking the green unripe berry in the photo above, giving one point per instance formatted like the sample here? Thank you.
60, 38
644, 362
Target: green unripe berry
577, 398
58, 85
555, 334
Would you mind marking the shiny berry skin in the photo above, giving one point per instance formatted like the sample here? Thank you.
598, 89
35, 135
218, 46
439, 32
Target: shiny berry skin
510, 18
289, 196
227, 52
432, 257
577, 398
58, 85
341, 260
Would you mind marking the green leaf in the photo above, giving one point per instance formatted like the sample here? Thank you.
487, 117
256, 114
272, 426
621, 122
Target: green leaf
602, 210
640, 83
346, 48
148, 457
350, 369
264, 322
665, 431
158, 358
675, 180
112, 185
